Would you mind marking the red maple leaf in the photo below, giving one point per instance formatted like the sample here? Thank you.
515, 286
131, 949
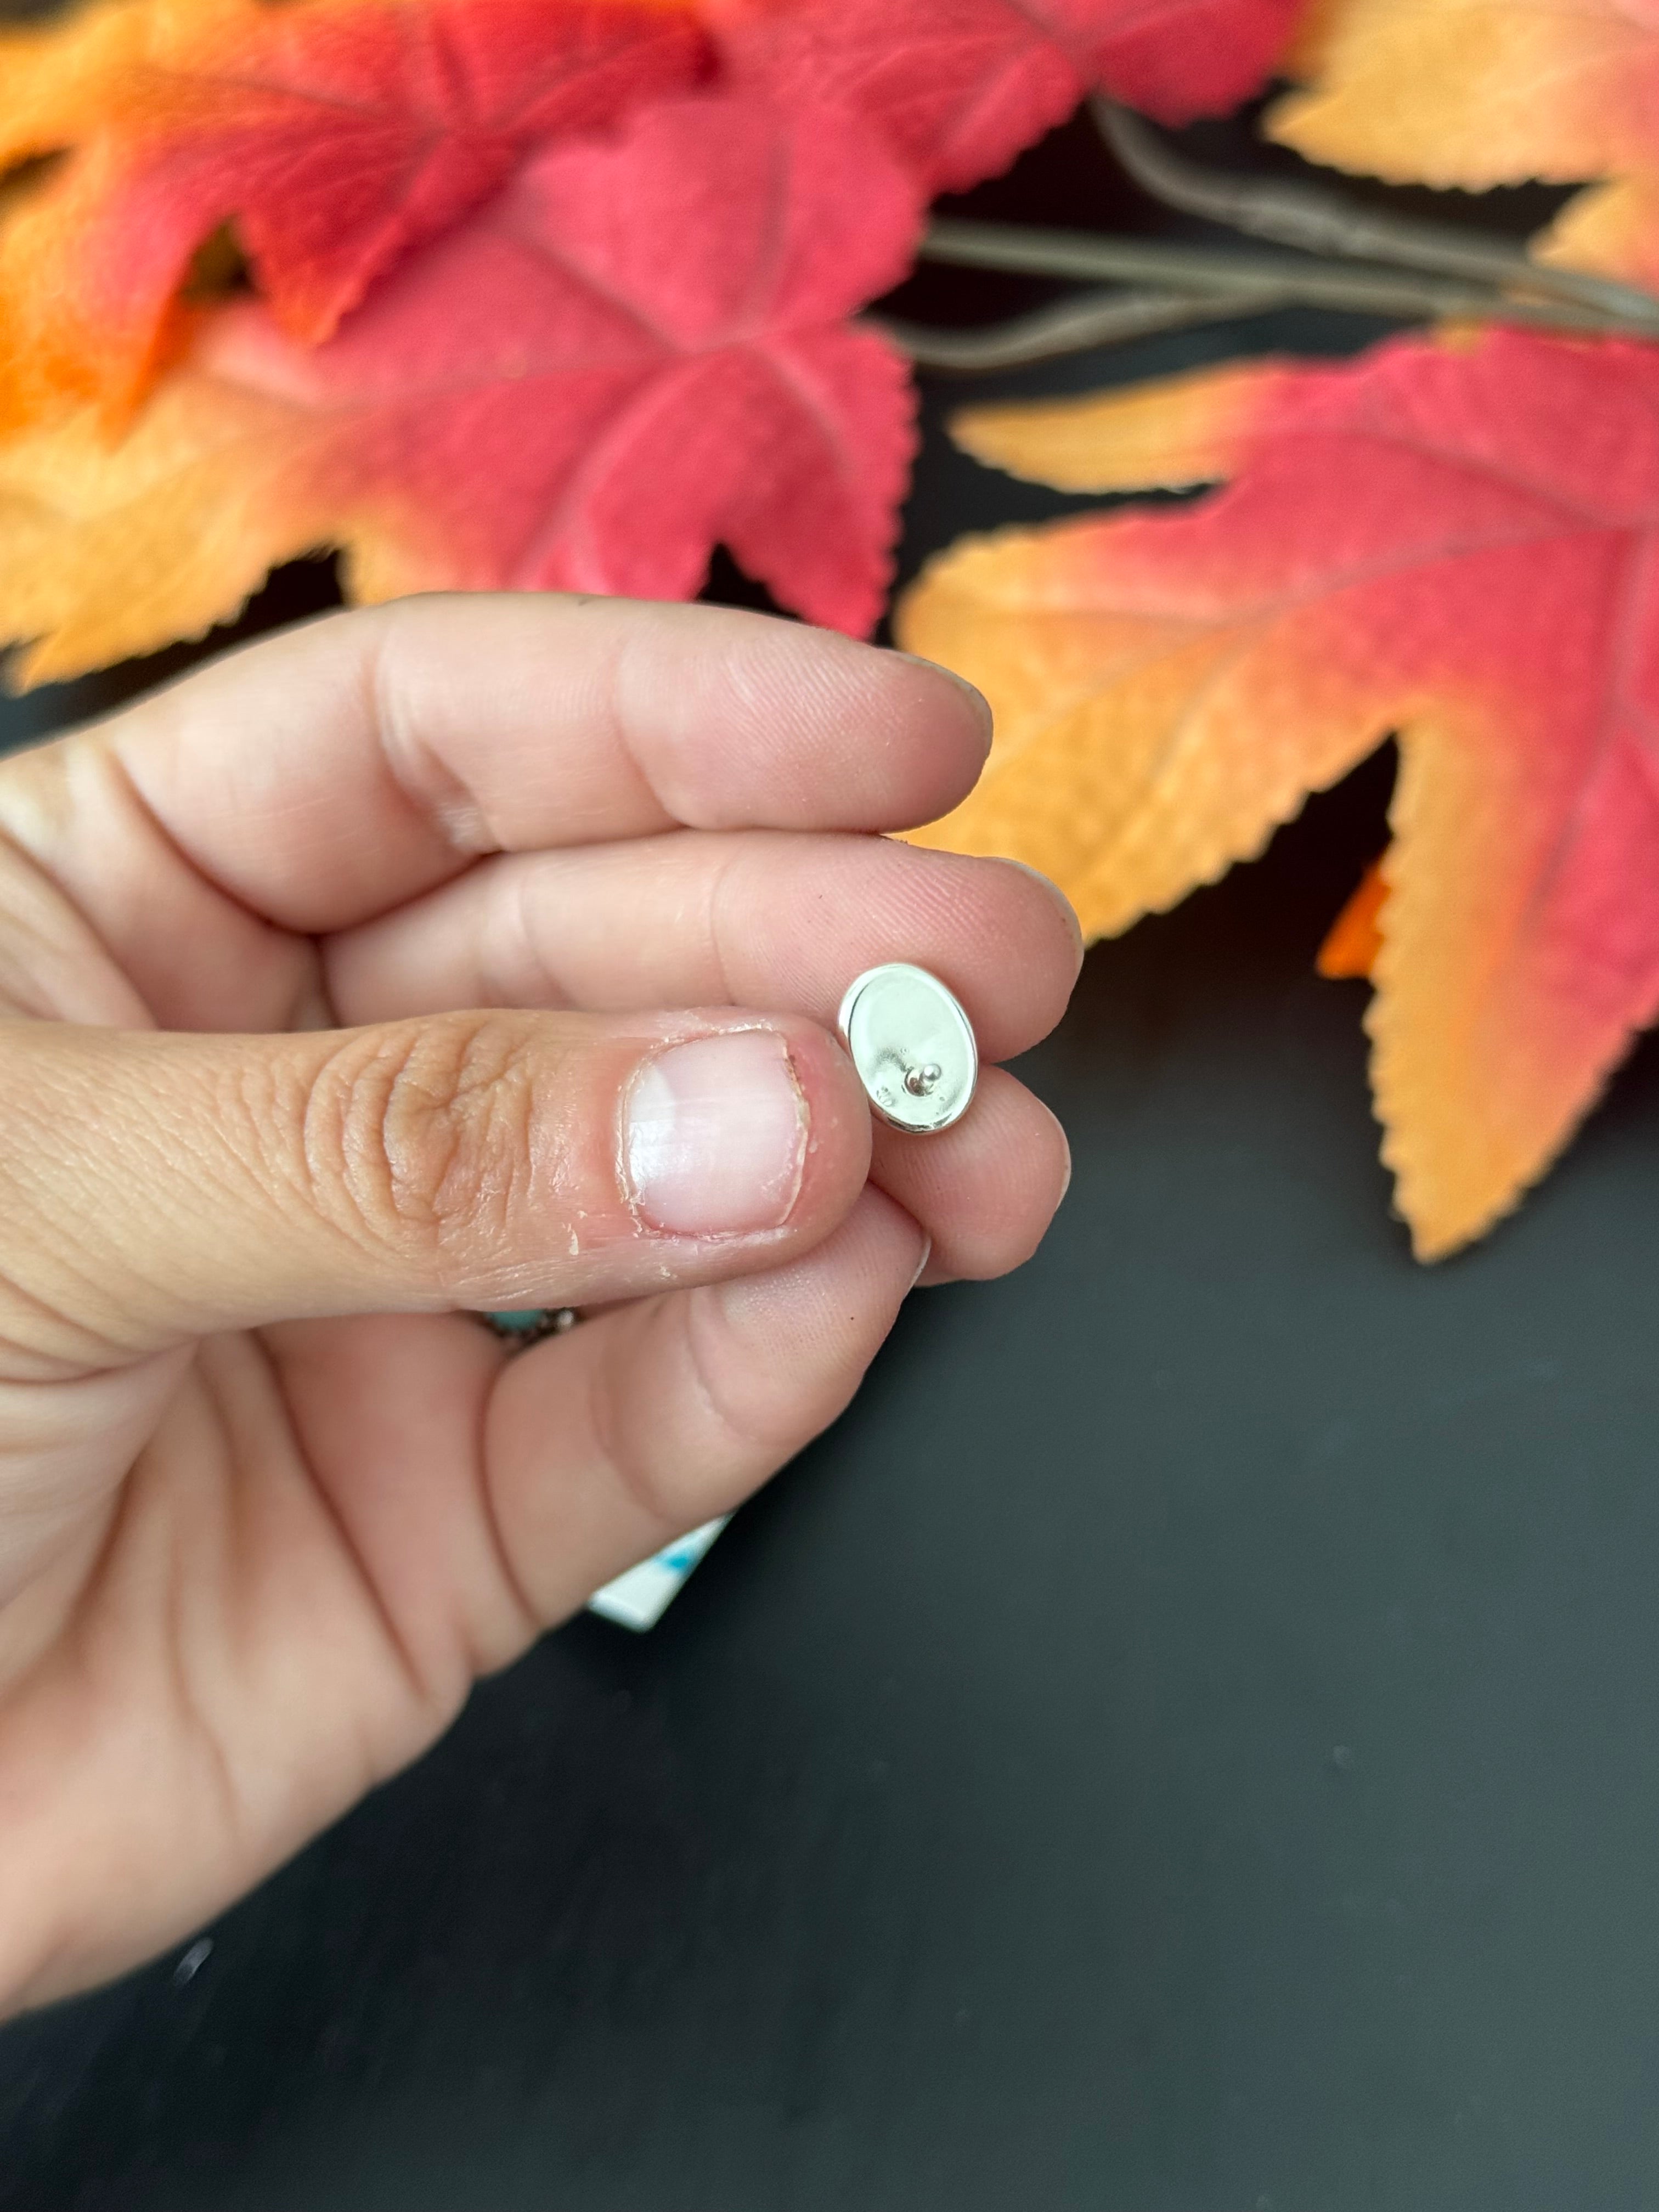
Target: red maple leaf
334, 134
635, 352
1456, 541
959, 86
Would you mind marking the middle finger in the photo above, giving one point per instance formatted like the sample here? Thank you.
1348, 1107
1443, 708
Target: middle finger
773, 920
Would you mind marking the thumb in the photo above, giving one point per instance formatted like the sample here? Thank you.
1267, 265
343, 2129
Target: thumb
154, 1188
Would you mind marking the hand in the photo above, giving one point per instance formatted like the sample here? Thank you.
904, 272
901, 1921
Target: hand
269, 1502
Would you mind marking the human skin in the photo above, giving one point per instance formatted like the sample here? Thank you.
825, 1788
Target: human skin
462, 954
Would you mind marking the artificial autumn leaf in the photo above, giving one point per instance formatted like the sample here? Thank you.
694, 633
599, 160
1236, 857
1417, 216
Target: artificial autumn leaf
580, 389
1453, 541
1496, 92
959, 86
1353, 943
334, 134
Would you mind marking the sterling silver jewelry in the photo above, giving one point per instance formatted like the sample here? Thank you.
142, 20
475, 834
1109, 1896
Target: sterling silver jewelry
913, 1046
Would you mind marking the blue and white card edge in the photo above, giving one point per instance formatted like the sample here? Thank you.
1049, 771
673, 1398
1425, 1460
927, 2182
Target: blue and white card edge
638, 1599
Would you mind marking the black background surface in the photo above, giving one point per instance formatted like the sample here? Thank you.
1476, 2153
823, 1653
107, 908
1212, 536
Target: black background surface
1187, 1739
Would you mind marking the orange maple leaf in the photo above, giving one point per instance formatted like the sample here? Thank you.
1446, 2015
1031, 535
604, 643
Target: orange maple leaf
1456, 543
333, 135
1354, 940
1475, 93
573, 390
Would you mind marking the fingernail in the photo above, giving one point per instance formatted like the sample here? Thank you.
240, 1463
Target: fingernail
714, 1136
981, 704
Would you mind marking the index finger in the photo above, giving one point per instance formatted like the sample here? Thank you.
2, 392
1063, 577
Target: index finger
325, 776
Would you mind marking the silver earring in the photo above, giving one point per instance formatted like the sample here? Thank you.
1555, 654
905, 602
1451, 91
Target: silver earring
913, 1046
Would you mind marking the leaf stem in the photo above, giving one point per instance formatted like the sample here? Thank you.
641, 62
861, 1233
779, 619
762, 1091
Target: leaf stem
1088, 319
1318, 220
1275, 279
1345, 256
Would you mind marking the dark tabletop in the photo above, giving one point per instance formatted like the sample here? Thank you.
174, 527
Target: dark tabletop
1189, 1738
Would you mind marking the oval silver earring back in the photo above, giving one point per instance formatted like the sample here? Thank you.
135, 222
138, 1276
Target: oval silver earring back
913, 1046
